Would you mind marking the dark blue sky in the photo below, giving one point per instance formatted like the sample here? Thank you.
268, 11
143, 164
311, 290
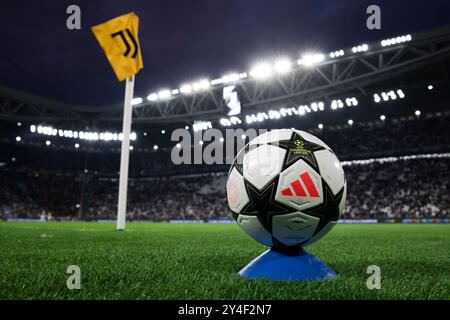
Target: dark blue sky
184, 40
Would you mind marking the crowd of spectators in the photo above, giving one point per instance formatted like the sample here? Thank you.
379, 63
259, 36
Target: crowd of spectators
65, 185
417, 188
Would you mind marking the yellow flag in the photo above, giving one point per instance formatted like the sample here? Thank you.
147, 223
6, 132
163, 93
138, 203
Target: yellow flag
118, 38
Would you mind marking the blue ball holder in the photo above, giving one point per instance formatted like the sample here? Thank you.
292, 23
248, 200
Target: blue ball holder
274, 265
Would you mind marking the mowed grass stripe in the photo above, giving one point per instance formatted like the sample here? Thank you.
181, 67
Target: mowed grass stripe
200, 261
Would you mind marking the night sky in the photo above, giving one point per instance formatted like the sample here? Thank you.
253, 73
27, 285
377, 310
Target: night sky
184, 40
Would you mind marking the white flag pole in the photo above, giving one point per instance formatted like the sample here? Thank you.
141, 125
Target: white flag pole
125, 153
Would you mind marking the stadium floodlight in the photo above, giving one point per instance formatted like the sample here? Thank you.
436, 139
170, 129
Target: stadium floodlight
204, 84
19, 124
311, 59
178, 145
201, 85
361, 48
48, 142
33, 128
221, 139
243, 137
164, 94
235, 120
396, 40
353, 101
320, 126
18, 138
400, 93
283, 65
232, 77
200, 142
348, 102
155, 147
186, 88
261, 71
391, 94
223, 122
163, 131
76, 145
382, 117
384, 96
376, 98
186, 127
430, 87
131, 148
417, 113
201, 125
136, 101
301, 110
152, 97
350, 122
333, 105
248, 119
175, 92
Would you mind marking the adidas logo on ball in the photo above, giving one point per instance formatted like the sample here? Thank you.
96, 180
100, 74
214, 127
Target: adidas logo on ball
298, 188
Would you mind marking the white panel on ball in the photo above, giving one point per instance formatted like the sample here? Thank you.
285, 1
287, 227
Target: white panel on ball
236, 192
309, 137
296, 190
322, 232
331, 170
262, 164
253, 227
294, 228
272, 136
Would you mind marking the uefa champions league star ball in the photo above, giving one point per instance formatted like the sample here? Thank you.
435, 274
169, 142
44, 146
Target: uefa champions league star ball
286, 189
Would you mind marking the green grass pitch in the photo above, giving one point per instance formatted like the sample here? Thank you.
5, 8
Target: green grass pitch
200, 261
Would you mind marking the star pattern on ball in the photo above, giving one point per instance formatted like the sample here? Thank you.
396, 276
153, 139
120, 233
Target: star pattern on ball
329, 209
299, 148
263, 204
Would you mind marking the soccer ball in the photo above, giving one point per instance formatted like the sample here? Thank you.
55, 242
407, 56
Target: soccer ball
286, 189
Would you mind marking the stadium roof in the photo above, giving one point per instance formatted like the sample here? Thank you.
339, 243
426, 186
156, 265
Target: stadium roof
198, 39
365, 72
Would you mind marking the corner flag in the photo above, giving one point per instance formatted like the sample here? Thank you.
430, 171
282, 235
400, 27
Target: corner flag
118, 38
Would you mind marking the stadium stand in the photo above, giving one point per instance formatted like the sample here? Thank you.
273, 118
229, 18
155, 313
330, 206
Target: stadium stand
64, 187
388, 101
